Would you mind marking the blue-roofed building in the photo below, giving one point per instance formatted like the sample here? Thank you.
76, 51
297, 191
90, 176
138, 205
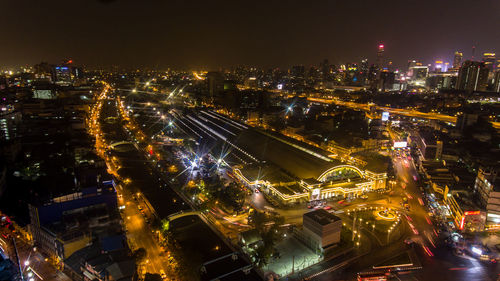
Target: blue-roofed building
65, 224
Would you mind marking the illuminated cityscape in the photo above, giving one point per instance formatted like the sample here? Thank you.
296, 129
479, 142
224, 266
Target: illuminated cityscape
222, 141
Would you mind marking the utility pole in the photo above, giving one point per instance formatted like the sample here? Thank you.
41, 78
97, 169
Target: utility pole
353, 226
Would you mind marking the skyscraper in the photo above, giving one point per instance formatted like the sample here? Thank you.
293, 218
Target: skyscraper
324, 68
457, 60
472, 76
496, 82
380, 56
489, 60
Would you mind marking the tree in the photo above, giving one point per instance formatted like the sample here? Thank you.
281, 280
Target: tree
152, 277
262, 255
139, 254
258, 220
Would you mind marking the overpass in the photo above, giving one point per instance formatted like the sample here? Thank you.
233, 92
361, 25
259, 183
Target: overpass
397, 111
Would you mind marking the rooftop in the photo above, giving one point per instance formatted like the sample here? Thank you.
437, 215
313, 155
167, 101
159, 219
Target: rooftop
268, 173
291, 156
322, 217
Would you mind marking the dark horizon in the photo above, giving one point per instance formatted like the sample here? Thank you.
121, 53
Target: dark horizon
208, 35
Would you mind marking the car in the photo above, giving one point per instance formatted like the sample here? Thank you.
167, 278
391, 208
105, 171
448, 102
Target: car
364, 196
309, 206
409, 241
327, 207
162, 274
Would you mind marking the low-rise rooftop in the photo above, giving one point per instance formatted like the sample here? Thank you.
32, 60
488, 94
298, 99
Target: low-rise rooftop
322, 217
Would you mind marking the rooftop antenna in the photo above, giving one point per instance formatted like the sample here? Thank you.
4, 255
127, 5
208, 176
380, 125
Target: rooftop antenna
473, 51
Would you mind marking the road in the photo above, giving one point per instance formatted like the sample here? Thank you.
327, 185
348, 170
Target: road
140, 235
398, 111
138, 232
418, 226
40, 266
437, 260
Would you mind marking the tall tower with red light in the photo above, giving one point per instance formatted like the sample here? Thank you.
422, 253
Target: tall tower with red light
380, 56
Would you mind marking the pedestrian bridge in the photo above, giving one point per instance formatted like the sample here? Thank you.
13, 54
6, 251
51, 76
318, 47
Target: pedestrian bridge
181, 214
166, 222
115, 144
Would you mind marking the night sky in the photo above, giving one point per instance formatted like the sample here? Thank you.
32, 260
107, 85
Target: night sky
211, 34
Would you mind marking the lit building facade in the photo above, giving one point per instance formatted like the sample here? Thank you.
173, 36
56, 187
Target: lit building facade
489, 60
380, 56
472, 76
488, 188
457, 60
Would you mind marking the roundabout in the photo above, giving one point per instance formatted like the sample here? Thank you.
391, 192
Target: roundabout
386, 214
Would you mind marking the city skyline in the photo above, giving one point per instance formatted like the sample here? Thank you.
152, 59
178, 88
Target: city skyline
200, 35
250, 140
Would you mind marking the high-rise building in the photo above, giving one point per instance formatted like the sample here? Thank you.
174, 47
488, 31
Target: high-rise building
439, 66
412, 63
466, 120
364, 69
215, 82
496, 82
380, 56
386, 80
457, 60
489, 60
418, 74
472, 76
324, 68
487, 187
298, 71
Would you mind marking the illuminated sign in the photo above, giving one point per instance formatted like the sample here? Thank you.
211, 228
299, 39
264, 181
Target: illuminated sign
470, 213
280, 86
400, 144
462, 223
385, 116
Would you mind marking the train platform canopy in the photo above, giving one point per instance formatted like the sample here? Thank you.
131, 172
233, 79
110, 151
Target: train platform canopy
296, 159
269, 173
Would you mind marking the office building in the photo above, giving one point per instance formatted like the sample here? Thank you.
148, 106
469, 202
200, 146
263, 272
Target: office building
418, 74
215, 85
487, 187
466, 120
489, 60
472, 76
496, 82
322, 228
67, 223
380, 56
431, 148
457, 60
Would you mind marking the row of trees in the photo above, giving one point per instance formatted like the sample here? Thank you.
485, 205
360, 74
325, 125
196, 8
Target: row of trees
269, 227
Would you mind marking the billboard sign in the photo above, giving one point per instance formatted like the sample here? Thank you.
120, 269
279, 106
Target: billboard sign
400, 144
385, 116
